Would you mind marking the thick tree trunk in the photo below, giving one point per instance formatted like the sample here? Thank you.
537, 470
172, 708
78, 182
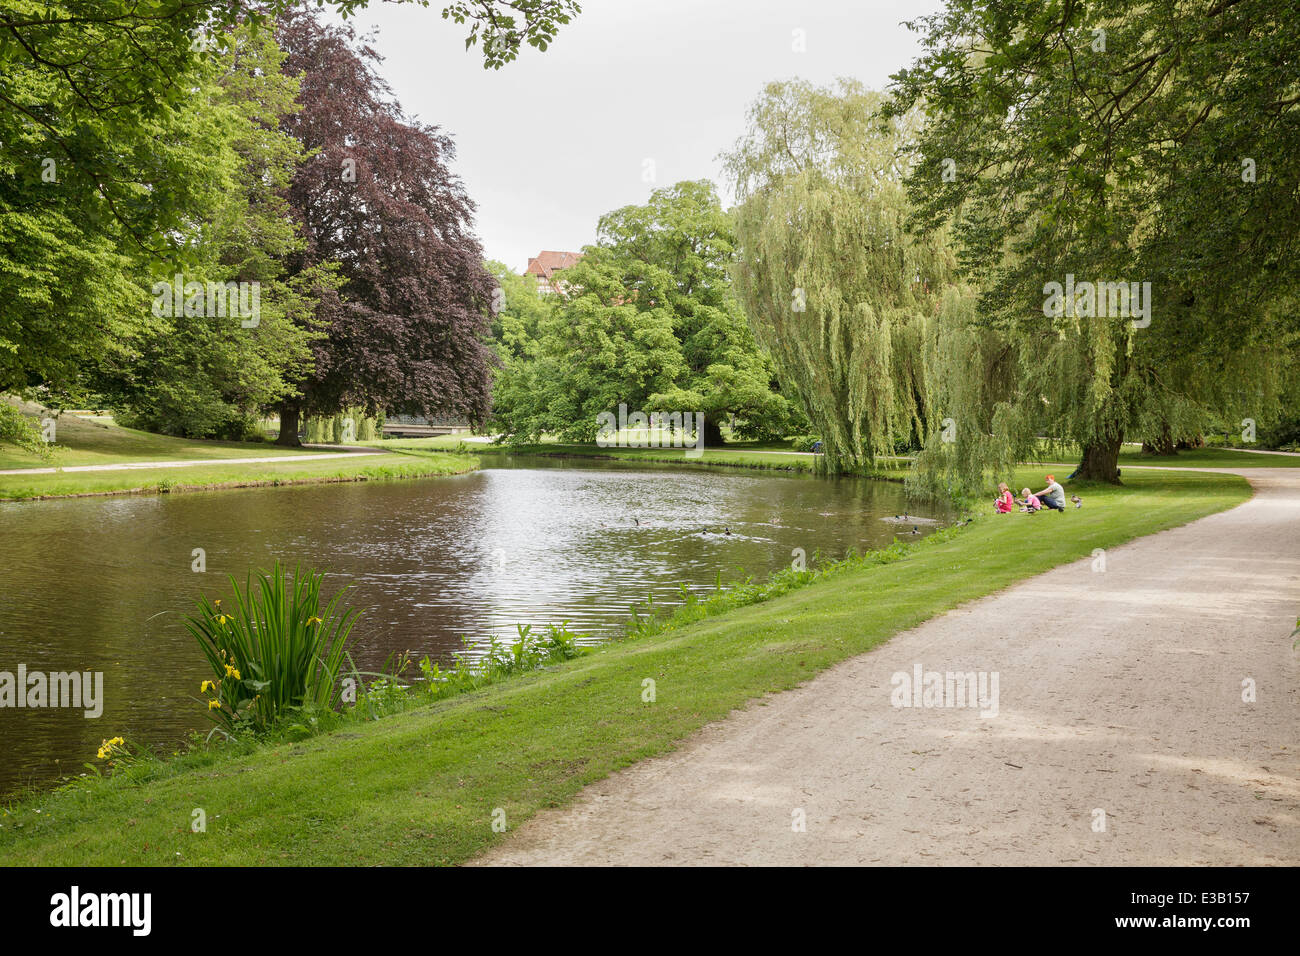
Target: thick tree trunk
712, 433
1101, 461
288, 426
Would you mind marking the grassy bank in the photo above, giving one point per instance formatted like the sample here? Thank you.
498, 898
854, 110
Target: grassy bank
86, 440
741, 455
421, 787
1211, 458
211, 477
91, 441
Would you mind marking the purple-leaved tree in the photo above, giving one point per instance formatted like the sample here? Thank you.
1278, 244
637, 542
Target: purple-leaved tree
407, 329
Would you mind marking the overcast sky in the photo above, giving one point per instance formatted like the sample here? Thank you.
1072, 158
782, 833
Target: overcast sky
550, 142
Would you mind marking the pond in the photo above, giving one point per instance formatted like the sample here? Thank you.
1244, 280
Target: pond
103, 584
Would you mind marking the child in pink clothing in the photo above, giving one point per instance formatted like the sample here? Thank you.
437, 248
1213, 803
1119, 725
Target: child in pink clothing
1031, 501
1004, 503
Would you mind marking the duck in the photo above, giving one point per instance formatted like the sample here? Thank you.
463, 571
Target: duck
1078, 502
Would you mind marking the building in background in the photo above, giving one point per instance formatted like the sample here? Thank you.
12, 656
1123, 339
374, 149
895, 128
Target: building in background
546, 264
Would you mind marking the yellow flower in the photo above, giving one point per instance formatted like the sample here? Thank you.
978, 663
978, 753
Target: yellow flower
221, 619
106, 747
213, 704
313, 620
232, 672
206, 686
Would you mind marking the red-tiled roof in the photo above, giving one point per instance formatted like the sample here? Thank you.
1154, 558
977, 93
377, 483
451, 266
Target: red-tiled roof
546, 262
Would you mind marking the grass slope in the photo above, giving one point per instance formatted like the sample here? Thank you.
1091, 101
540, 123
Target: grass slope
95, 441
1211, 458
208, 477
421, 787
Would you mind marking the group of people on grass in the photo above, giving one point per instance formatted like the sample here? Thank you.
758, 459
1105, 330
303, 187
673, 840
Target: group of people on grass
1053, 496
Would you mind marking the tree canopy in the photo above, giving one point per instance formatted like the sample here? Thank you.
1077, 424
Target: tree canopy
407, 331
1126, 142
649, 320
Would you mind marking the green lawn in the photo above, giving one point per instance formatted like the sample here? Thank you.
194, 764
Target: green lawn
421, 787
1131, 455
201, 477
1210, 458
97, 441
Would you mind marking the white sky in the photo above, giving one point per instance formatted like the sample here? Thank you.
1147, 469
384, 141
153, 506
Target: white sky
550, 142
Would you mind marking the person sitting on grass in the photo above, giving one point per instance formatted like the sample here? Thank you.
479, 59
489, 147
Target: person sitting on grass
1053, 496
1004, 502
1031, 502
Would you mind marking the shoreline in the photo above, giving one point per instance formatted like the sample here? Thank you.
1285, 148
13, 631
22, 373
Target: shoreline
743, 458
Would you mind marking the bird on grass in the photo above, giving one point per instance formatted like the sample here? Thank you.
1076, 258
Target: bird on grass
1078, 502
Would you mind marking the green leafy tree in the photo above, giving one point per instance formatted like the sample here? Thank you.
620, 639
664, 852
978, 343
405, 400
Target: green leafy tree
204, 375
649, 320
1109, 141
96, 180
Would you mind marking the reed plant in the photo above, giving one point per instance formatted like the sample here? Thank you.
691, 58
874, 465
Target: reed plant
277, 649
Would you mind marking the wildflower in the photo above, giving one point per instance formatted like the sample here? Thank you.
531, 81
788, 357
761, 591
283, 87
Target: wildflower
213, 704
107, 746
232, 672
313, 620
206, 686
221, 619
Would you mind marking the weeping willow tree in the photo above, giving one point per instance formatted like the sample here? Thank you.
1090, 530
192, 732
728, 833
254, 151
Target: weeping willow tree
974, 380
834, 287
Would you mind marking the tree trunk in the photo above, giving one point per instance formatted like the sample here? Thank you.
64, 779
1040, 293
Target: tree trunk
1101, 461
712, 433
1164, 444
288, 425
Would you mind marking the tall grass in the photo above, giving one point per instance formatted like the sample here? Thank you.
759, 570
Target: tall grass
275, 650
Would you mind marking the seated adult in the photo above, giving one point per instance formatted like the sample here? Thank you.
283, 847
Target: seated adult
1053, 496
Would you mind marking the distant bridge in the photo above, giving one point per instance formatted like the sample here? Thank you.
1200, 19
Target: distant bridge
413, 426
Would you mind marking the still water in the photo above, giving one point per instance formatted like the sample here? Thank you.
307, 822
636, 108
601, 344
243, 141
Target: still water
103, 584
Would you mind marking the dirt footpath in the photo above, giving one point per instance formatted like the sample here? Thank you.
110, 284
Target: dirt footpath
1121, 735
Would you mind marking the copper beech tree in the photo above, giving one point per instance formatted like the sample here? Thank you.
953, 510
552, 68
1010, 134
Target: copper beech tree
406, 330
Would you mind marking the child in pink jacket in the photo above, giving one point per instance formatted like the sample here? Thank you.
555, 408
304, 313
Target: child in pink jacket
1004, 503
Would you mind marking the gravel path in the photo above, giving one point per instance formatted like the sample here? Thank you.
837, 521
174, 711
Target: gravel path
1119, 692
